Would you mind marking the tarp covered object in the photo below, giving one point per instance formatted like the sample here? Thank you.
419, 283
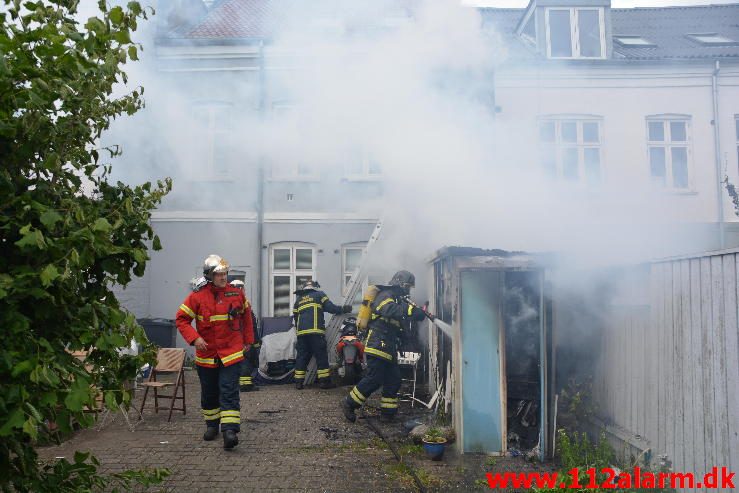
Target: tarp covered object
277, 354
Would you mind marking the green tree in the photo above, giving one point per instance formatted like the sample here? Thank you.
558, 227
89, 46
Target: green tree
67, 233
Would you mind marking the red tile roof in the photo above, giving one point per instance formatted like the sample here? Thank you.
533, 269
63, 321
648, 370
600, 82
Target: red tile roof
235, 19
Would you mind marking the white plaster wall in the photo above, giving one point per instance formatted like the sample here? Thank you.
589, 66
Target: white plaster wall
624, 95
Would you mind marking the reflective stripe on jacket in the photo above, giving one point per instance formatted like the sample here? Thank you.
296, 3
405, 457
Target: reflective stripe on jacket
223, 320
308, 311
391, 314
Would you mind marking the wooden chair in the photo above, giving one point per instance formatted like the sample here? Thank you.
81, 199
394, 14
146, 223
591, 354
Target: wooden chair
98, 407
169, 361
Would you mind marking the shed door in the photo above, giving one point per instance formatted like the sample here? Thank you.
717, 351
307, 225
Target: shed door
482, 410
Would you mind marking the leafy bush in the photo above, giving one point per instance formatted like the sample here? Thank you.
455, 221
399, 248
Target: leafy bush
67, 234
576, 451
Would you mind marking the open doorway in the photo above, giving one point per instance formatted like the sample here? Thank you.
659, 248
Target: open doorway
521, 316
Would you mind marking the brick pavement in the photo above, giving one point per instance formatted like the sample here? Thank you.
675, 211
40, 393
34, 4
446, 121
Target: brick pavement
290, 441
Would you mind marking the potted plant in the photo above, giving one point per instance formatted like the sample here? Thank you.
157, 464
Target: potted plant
434, 443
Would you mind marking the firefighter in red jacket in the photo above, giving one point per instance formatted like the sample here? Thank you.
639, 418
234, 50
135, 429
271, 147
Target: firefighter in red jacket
224, 329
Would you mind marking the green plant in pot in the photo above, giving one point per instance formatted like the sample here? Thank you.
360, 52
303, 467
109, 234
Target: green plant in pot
434, 443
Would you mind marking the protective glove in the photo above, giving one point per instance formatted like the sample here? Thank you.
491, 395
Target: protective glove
346, 309
425, 309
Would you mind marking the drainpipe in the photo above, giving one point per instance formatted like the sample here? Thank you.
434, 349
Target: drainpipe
717, 150
260, 190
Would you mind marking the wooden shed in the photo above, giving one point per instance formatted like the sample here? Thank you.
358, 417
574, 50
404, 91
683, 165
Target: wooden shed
495, 364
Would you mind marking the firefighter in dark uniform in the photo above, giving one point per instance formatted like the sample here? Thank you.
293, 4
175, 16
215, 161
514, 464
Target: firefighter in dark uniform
251, 355
391, 315
310, 304
223, 330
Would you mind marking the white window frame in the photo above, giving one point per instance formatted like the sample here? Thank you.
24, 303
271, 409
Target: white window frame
214, 135
362, 247
292, 272
365, 174
575, 34
290, 172
668, 145
559, 145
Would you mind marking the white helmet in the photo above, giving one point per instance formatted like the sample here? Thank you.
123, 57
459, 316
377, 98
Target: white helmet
237, 283
213, 264
197, 283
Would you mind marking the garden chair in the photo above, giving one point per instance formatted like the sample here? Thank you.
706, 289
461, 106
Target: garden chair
169, 361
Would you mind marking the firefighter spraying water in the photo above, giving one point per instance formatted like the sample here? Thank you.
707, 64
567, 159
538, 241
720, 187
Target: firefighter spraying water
445, 327
390, 313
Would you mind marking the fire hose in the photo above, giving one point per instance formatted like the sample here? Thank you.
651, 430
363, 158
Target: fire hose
392, 448
423, 308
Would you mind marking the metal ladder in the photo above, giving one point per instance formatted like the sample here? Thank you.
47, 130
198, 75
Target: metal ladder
334, 325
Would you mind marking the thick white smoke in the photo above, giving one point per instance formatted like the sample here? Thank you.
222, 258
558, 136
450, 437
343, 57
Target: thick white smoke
409, 86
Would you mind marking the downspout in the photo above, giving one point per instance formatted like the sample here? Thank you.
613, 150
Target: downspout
260, 190
717, 150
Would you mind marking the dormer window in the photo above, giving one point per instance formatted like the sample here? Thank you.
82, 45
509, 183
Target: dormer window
711, 39
575, 33
633, 42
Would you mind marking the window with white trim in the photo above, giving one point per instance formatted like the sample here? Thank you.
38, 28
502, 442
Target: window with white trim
292, 171
290, 265
351, 257
213, 121
284, 110
575, 33
668, 148
570, 148
362, 166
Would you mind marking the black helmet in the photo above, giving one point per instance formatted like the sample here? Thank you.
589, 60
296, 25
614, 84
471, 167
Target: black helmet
404, 280
309, 284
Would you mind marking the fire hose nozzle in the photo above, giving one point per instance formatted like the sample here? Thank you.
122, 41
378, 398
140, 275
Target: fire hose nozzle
424, 308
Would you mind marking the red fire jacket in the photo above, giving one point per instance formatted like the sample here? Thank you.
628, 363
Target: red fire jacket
223, 320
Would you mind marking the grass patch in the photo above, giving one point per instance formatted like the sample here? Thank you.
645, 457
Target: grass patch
410, 449
401, 473
373, 444
429, 480
481, 483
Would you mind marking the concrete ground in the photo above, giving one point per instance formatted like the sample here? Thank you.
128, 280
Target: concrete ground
290, 441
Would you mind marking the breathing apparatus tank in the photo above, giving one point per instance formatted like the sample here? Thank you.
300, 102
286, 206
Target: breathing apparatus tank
363, 316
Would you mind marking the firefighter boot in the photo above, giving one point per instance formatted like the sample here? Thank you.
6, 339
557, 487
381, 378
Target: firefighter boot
326, 383
211, 432
230, 439
387, 418
348, 410
299, 384
248, 388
